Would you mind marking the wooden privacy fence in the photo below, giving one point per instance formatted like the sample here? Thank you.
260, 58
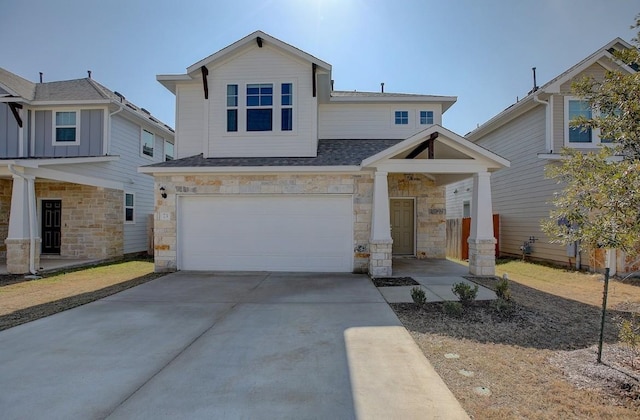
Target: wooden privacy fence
458, 231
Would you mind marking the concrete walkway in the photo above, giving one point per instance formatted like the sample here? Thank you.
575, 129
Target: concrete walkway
436, 278
224, 346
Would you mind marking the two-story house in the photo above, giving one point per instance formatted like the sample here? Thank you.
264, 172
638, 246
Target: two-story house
275, 170
69, 185
531, 134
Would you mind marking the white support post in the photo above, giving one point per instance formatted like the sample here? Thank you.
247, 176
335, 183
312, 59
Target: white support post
380, 242
481, 240
19, 236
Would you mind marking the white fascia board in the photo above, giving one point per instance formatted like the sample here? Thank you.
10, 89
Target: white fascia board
72, 102
17, 99
58, 175
169, 81
246, 169
36, 163
558, 157
416, 98
436, 166
230, 49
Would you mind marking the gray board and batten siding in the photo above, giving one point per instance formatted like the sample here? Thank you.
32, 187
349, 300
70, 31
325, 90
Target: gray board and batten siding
91, 135
9, 137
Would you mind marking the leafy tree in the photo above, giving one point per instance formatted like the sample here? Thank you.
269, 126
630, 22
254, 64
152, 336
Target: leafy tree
599, 204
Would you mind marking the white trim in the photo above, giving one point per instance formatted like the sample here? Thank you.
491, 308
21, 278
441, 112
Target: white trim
71, 102
23, 114
393, 118
124, 205
35, 163
151, 170
595, 132
164, 149
54, 140
419, 117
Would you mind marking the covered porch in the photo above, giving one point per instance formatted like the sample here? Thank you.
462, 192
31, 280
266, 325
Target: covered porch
434, 158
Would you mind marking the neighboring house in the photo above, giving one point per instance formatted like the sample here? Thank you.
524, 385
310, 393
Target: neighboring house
69, 185
531, 134
277, 171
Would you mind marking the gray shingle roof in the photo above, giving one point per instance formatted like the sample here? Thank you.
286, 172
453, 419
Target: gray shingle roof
69, 90
22, 87
330, 153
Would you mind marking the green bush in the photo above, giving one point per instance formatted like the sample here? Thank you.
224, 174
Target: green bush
502, 289
453, 309
504, 307
419, 296
630, 334
466, 294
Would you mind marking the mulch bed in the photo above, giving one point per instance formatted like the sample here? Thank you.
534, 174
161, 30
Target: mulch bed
40, 311
394, 281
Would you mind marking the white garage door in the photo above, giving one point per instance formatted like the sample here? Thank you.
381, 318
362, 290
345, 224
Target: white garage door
273, 233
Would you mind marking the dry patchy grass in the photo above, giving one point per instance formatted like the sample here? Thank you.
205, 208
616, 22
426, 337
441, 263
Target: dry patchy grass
524, 356
24, 301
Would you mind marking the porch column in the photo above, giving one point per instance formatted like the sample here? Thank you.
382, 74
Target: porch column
18, 239
482, 261
380, 242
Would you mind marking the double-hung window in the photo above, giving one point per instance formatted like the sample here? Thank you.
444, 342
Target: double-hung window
426, 117
232, 108
401, 117
576, 108
168, 151
147, 140
66, 127
286, 94
260, 107
129, 208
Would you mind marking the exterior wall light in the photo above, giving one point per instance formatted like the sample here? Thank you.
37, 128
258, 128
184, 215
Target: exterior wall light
163, 194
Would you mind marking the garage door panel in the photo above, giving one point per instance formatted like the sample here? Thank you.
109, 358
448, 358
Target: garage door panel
284, 233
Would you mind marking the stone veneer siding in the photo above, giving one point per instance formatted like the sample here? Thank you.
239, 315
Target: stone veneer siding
358, 185
5, 209
431, 223
92, 219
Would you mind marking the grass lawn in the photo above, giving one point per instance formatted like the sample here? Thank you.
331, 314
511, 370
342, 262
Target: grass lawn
24, 301
536, 359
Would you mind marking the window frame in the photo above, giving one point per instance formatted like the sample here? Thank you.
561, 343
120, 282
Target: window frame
260, 107
132, 207
232, 109
153, 149
427, 112
288, 106
401, 115
173, 149
595, 142
54, 126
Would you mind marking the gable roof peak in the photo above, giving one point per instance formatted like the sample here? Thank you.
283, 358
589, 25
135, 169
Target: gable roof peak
260, 38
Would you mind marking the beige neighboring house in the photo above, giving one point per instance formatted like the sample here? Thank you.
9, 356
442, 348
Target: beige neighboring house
69, 185
277, 171
531, 134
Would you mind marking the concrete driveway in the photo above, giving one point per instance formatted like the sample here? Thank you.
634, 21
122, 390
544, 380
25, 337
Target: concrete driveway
223, 346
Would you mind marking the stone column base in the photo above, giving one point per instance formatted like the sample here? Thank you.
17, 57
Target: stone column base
380, 258
18, 255
482, 257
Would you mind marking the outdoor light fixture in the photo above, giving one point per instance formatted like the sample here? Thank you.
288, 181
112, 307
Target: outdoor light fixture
163, 193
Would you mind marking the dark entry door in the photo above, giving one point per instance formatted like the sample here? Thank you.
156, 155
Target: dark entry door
51, 215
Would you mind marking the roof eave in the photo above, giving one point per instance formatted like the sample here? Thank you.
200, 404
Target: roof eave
163, 170
169, 81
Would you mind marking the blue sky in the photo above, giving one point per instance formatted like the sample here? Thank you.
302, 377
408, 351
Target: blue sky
480, 51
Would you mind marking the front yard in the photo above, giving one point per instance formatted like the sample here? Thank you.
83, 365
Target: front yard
535, 359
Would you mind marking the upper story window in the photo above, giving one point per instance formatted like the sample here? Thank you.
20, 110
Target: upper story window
232, 108
260, 107
286, 93
579, 136
426, 117
66, 128
148, 140
168, 151
402, 117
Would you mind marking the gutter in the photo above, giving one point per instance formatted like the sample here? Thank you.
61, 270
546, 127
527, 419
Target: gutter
108, 140
548, 121
32, 217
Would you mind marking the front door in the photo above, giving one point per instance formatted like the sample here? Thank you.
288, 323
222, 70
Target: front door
51, 216
402, 226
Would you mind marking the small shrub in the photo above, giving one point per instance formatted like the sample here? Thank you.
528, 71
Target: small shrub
453, 309
502, 289
419, 296
504, 307
630, 334
466, 294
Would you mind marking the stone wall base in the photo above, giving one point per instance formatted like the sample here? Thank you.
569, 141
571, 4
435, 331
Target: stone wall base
380, 258
482, 257
18, 255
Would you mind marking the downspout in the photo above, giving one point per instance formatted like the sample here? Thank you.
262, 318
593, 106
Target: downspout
548, 120
108, 139
32, 217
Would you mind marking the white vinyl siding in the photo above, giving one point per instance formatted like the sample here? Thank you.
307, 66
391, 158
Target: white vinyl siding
521, 193
253, 65
189, 119
371, 121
